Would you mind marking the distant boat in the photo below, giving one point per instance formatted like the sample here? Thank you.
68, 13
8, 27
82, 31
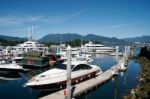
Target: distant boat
17, 57
6, 65
38, 59
55, 78
34, 59
28, 46
96, 48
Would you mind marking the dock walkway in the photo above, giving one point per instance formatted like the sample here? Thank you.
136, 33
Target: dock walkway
84, 86
94, 82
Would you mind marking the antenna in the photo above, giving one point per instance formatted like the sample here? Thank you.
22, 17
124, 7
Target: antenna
81, 41
60, 39
29, 34
32, 32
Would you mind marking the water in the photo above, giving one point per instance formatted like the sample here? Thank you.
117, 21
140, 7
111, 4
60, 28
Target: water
118, 86
11, 87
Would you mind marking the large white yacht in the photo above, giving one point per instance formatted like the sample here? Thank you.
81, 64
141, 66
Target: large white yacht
55, 78
29, 45
97, 48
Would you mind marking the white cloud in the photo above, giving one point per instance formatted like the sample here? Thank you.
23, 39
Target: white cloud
9, 20
60, 19
73, 15
34, 18
117, 26
12, 20
109, 27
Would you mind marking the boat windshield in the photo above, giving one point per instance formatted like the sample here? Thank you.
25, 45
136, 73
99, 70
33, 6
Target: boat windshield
81, 67
61, 66
73, 67
5, 62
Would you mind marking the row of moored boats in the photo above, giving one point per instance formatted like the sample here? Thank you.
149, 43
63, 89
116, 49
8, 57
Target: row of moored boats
31, 55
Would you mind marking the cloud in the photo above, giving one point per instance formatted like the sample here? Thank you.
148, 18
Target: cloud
61, 19
117, 26
73, 15
34, 18
12, 20
9, 20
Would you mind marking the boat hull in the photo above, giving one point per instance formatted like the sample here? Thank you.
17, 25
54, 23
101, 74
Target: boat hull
11, 70
62, 84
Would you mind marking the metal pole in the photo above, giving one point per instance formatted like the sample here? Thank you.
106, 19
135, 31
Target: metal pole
129, 50
116, 67
117, 52
125, 55
125, 50
68, 72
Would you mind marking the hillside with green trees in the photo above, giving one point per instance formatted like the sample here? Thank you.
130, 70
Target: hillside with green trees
57, 38
9, 42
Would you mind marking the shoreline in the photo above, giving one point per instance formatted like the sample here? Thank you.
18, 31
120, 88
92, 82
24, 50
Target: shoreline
142, 91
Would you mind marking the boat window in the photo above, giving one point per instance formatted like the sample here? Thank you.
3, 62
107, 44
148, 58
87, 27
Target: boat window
81, 67
60, 66
42, 76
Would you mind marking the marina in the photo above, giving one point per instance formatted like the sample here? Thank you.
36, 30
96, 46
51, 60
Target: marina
89, 84
74, 49
83, 87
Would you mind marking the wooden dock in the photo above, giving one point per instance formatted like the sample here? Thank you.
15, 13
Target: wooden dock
91, 83
84, 86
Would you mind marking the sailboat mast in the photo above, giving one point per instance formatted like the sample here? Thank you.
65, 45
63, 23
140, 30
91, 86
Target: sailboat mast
29, 34
32, 32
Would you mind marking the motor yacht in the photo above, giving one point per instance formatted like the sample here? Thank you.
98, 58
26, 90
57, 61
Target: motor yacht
96, 48
55, 78
7, 65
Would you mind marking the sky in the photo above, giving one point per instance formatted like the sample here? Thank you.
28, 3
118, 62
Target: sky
109, 18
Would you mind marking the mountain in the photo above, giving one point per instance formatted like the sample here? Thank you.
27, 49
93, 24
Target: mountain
10, 38
90, 37
141, 39
56, 37
105, 40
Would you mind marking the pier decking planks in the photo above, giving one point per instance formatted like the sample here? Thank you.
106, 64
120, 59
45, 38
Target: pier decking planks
84, 86
87, 85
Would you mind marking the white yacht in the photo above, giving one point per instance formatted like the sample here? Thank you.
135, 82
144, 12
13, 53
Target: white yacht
97, 48
28, 46
6, 65
55, 78
76, 54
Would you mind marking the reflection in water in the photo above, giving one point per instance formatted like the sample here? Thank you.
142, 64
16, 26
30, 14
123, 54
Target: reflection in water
44, 93
115, 87
9, 75
124, 76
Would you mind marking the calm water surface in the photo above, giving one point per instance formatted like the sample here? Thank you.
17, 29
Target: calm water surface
11, 84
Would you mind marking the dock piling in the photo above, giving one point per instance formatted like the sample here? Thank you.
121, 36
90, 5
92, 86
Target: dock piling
68, 72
